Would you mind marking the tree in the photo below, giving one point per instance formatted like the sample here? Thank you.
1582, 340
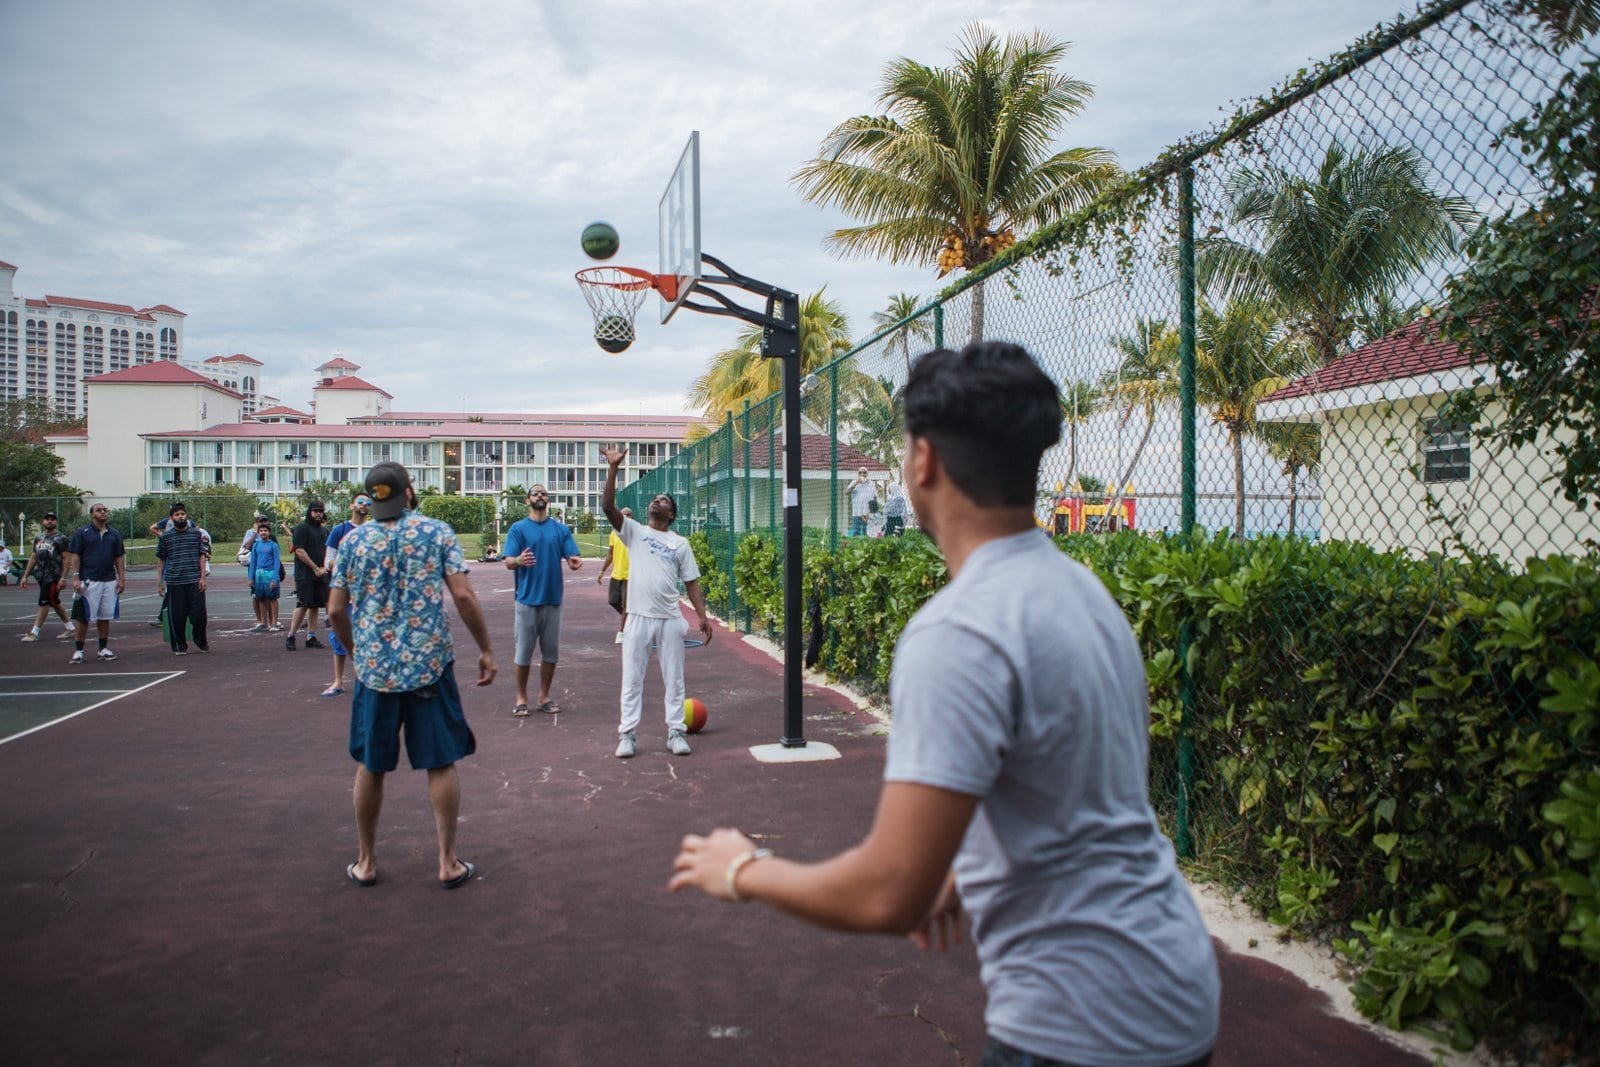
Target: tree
1298, 446
877, 426
1334, 243
1528, 304
336, 496
919, 330
1146, 377
30, 419
1242, 353
958, 162
741, 373
1079, 401
28, 470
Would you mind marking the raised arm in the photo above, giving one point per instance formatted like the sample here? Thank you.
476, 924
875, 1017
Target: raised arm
608, 499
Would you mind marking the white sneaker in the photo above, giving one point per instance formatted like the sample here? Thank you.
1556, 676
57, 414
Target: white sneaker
106, 653
29, 637
77, 657
618, 641
677, 744
625, 747
67, 635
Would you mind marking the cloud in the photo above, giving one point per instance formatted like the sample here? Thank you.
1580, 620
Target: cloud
406, 183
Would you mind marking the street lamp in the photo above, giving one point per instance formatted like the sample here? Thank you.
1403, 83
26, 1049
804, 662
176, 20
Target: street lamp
22, 533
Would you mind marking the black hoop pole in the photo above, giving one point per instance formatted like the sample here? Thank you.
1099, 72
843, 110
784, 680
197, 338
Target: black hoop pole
780, 339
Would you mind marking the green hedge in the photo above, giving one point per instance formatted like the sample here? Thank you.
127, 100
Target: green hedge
464, 514
1398, 754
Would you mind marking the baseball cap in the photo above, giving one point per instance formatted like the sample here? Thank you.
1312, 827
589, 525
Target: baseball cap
386, 484
47, 515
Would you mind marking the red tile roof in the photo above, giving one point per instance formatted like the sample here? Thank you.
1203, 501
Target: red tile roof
34, 303
161, 372
238, 357
168, 308
350, 381
519, 418
453, 431
91, 305
340, 363
816, 453
1407, 353
6, 266
281, 409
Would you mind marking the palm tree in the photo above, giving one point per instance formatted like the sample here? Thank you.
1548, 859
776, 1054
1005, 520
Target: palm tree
1145, 377
900, 308
1242, 353
741, 373
1298, 446
1079, 400
959, 160
876, 423
1334, 243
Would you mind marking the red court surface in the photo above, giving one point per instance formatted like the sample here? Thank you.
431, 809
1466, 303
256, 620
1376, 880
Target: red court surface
174, 887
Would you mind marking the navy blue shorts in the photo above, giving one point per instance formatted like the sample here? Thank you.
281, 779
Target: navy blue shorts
435, 726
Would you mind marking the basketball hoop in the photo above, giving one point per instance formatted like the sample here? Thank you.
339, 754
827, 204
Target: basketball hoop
615, 295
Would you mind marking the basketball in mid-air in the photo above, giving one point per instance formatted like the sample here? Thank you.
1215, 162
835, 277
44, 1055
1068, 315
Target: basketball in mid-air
600, 240
694, 715
614, 333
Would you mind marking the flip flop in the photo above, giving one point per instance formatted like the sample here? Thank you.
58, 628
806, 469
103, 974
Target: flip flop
364, 883
520, 710
550, 707
332, 691
461, 879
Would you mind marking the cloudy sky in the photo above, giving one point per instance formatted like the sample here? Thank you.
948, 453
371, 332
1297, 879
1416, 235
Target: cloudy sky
404, 183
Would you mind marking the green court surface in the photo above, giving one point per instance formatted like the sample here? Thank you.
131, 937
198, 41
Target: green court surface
30, 702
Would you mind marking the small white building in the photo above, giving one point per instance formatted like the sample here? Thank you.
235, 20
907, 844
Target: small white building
1399, 471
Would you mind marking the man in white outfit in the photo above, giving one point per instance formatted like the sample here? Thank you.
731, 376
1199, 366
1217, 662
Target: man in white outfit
658, 560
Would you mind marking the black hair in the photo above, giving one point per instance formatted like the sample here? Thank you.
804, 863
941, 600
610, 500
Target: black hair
990, 412
669, 499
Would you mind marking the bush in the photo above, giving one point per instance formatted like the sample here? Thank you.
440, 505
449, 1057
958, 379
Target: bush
224, 511
461, 513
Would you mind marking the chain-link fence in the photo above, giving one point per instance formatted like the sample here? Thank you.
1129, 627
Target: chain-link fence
1302, 346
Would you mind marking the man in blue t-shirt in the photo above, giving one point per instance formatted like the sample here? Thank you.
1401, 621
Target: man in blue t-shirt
360, 508
534, 549
95, 554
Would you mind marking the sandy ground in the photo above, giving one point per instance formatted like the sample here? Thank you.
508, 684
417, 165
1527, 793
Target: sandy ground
1236, 927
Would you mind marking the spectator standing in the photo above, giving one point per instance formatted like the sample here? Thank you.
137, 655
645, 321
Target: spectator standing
309, 542
617, 591
265, 567
1017, 778
6, 560
96, 553
45, 564
387, 606
360, 507
534, 549
658, 559
894, 508
181, 556
863, 493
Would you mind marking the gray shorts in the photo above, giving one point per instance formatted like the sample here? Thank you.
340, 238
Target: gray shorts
540, 626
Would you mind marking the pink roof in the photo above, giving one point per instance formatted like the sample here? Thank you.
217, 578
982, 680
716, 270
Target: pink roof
168, 308
161, 372
1406, 353
453, 431
92, 305
340, 363
350, 381
239, 357
6, 266
517, 418
281, 409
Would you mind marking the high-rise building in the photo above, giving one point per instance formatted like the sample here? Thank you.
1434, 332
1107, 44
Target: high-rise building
50, 345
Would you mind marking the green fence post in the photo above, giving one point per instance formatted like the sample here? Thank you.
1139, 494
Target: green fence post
726, 539
1186, 401
744, 527
938, 325
833, 458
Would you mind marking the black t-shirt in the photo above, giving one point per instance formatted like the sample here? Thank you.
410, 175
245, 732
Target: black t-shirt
314, 539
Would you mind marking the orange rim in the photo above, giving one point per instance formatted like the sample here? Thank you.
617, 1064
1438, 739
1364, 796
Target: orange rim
631, 279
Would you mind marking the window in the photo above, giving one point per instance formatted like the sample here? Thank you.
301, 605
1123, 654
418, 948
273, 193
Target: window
1446, 451
565, 452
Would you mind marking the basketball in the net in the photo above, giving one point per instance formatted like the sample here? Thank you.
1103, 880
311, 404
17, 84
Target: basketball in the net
614, 333
694, 715
600, 240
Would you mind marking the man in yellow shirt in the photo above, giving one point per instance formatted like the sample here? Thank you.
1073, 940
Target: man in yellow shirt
617, 592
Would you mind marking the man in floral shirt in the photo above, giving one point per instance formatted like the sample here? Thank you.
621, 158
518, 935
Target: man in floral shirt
387, 606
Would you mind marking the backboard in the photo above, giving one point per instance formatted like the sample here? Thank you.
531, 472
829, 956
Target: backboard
680, 227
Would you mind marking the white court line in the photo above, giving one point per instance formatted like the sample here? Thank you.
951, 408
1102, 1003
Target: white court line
91, 707
58, 692
97, 674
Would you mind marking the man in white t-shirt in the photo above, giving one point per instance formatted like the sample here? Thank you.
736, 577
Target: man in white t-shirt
658, 560
1017, 778
863, 494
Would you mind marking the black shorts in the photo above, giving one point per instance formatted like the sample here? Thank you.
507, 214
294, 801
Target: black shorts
617, 593
50, 595
311, 592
